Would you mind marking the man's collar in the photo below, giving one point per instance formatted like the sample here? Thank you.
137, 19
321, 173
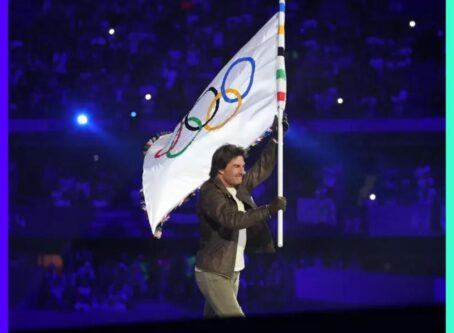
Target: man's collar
220, 185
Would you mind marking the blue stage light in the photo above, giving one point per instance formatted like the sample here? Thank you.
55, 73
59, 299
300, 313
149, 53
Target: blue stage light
133, 114
82, 119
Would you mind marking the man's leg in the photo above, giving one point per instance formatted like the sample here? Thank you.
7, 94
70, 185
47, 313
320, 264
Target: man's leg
220, 294
236, 282
208, 311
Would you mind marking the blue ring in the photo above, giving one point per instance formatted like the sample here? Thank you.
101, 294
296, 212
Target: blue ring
251, 81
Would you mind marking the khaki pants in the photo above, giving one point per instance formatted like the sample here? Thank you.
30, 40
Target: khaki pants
220, 294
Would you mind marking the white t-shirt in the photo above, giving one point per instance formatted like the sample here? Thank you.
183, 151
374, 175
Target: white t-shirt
239, 261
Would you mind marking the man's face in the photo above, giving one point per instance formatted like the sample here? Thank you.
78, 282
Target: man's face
233, 173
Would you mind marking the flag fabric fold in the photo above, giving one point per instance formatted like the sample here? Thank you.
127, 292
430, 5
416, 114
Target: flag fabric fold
237, 107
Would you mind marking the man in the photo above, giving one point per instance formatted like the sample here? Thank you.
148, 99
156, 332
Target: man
231, 222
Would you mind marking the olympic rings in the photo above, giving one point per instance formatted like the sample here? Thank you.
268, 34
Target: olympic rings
197, 120
172, 145
251, 79
216, 99
186, 122
209, 116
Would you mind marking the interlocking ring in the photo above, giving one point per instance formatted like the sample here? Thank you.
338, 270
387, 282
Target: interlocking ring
215, 103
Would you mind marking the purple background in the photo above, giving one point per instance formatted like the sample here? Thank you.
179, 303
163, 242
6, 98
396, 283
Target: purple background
80, 246
3, 164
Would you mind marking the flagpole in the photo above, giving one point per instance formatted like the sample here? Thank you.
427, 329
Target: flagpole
281, 98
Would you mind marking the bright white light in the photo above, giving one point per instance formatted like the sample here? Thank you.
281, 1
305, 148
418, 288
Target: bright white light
133, 114
412, 24
82, 119
148, 97
340, 101
111, 31
372, 197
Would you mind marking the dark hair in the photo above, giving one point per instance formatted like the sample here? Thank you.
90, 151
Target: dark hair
223, 155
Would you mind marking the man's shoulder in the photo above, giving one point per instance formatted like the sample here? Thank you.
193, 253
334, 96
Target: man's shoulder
210, 194
210, 187
207, 184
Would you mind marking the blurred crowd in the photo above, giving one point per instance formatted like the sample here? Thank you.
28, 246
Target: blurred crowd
96, 199
104, 56
83, 279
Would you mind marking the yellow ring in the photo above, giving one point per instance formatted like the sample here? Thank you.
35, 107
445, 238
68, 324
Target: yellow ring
208, 114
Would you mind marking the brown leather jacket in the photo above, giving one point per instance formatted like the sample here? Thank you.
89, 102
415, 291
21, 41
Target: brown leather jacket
220, 219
